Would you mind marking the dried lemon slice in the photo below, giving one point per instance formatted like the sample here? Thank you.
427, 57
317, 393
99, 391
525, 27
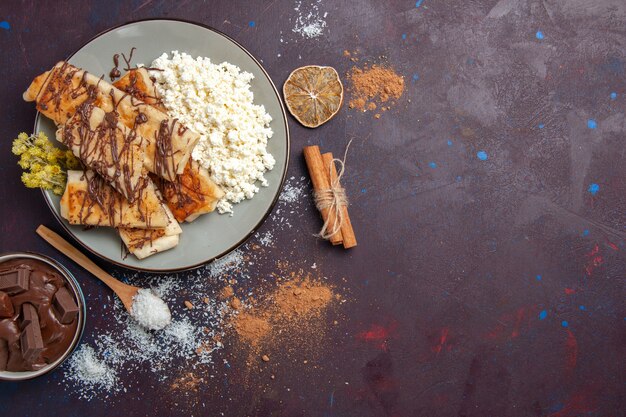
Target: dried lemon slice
313, 94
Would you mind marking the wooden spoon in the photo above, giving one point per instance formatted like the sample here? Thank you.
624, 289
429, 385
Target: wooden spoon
124, 291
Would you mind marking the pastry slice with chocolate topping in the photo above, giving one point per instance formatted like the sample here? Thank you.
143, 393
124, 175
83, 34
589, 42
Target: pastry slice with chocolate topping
108, 147
145, 242
89, 200
59, 93
138, 83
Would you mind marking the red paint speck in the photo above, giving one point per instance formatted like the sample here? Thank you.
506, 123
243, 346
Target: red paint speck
443, 337
378, 334
613, 246
579, 403
570, 291
512, 325
594, 259
571, 351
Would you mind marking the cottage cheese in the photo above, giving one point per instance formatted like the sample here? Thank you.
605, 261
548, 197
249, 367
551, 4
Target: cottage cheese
215, 101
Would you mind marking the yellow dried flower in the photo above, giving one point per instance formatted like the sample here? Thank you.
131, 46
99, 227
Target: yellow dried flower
46, 164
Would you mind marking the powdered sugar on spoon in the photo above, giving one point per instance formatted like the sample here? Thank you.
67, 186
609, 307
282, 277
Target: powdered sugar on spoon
150, 311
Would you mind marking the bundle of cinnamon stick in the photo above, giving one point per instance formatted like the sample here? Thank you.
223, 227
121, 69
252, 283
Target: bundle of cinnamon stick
325, 181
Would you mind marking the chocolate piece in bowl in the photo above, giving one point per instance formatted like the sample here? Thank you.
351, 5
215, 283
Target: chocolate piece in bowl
6, 306
15, 281
31, 342
64, 306
29, 315
4, 354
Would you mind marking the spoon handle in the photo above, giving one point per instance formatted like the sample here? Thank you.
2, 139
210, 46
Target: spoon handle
77, 256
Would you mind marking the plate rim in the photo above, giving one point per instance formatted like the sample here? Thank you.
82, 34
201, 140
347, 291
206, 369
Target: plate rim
270, 208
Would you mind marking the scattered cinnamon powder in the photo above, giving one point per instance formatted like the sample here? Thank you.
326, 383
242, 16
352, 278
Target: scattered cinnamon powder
375, 84
251, 328
227, 292
292, 307
301, 298
235, 303
187, 382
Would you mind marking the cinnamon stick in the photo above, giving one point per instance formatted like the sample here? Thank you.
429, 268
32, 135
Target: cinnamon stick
320, 180
327, 159
347, 232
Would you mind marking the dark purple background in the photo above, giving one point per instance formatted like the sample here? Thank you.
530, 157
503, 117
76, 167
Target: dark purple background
479, 288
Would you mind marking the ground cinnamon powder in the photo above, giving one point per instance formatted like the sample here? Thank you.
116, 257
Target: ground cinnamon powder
251, 328
301, 298
298, 300
375, 84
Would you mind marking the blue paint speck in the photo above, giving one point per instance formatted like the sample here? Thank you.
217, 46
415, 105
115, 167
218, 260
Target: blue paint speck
539, 34
449, 142
459, 178
583, 308
251, 23
592, 124
363, 190
403, 36
538, 277
613, 96
564, 323
541, 125
5, 25
586, 232
556, 407
593, 189
416, 77
432, 164
418, 3
543, 314
482, 155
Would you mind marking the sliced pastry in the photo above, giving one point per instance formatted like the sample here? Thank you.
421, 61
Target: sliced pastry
108, 147
146, 242
59, 92
89, 200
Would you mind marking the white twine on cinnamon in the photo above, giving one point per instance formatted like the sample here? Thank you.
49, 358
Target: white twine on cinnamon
333, 198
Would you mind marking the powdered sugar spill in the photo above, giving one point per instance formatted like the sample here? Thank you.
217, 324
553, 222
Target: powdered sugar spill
266, 239
123, 346
290, 203
90, 373
150, 311
222, 265
291, 192
310, 23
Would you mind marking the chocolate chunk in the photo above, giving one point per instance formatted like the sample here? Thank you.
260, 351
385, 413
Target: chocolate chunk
31, 342
65, 306
29, 315
6, 306
4, 354
30, 339
14, 281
